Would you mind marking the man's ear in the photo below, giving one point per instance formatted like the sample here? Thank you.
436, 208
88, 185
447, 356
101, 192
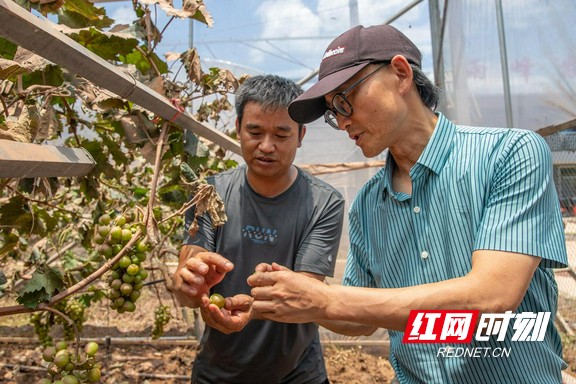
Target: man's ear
402, 69
301, 134
237, 124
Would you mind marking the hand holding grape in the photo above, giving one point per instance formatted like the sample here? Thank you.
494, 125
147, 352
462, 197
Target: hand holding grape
197, 272
232, 317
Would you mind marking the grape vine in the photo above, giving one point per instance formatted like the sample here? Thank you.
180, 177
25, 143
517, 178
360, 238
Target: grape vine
127, 276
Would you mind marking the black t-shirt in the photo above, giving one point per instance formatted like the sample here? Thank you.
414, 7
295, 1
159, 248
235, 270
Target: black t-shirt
299, 229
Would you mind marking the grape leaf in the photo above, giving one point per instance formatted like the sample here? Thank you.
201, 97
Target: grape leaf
44, 283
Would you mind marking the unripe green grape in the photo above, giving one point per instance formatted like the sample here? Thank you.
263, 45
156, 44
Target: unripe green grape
53, 369
126, 289
99, 239
44, 381
61, 345
116, 234
104, 219
218, 300
103, 230
141, 246
116, 248
127, 278
120, 220
48, 354
91, 348
141, 256
143, 273
94, 375
114, 294
61, 359
138, 286
124, 262
126, 235
116, 275
135, 260
137, 279
134, 295
69, 367
129, 306
116, 284
132, 269
118, 302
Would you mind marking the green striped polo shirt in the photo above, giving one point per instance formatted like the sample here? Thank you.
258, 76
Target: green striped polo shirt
472, 188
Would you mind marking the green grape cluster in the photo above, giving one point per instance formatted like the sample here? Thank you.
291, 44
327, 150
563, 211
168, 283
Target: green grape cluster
64, 367
76, 312
128, 274
161, 318
42, 326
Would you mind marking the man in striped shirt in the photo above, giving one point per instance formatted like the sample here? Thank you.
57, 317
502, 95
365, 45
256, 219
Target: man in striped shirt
460, 218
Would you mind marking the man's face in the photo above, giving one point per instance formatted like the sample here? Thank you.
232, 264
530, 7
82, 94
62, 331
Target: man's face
269, 140
376, 109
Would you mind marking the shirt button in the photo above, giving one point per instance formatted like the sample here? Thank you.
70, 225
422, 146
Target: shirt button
424, 255
416, 209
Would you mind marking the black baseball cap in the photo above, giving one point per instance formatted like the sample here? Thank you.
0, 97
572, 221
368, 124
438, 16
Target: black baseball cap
345, 57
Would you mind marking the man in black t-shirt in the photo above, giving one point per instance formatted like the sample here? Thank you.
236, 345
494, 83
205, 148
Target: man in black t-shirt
276, 213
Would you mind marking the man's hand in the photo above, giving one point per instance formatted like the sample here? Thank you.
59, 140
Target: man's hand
283, 295
233, 317
197, 272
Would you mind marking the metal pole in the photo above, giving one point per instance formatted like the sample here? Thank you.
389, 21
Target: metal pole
504, 64
436, 28
354, 18
403, 11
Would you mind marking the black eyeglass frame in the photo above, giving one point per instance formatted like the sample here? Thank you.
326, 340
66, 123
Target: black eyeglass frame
330, 114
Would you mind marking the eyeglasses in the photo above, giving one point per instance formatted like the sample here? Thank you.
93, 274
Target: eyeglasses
340, 103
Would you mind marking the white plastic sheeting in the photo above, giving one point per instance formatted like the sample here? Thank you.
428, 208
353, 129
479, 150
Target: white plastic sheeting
538, 39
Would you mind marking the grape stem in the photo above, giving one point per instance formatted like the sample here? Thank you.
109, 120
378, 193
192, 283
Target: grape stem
69, 321
151, 227
17, 309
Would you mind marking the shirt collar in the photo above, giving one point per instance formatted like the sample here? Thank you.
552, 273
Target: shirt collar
435, 153
437, 150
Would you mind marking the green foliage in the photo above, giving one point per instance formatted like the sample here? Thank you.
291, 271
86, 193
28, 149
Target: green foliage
39, 217
44, 283
145, 62
83, 14
109, 47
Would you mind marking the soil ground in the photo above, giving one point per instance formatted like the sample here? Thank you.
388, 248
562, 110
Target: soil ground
131, 357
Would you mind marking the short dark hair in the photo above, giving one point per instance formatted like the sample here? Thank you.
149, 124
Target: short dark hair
270, 91
429, 92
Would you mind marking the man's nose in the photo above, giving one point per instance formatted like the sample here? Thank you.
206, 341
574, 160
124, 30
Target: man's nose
267, 144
